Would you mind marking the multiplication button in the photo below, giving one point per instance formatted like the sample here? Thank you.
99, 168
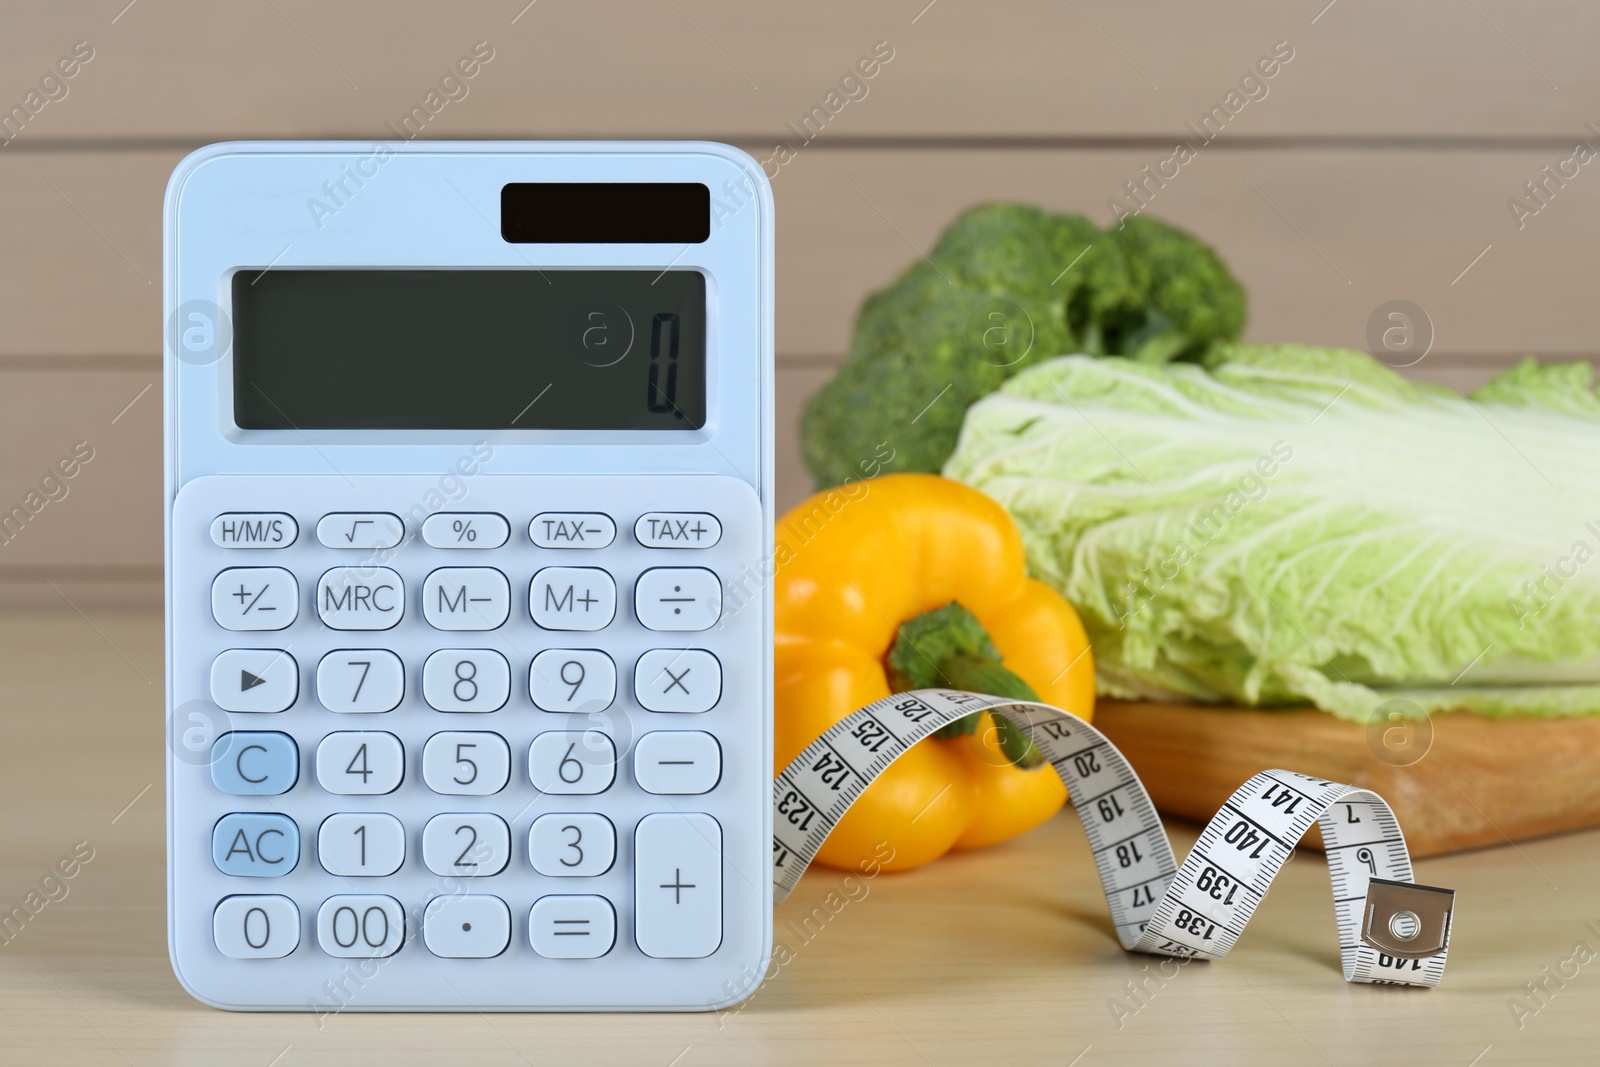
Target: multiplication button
678, 680
672, 529
572, 529
255, 598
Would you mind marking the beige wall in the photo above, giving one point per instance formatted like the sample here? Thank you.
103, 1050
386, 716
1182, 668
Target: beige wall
1377, 165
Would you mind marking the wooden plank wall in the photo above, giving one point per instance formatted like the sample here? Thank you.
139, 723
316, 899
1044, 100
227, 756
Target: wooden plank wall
1376, 163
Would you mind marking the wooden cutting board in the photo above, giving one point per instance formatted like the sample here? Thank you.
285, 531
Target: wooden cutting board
1475, 782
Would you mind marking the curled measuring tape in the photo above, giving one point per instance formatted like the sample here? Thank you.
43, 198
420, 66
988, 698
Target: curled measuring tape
1391, 930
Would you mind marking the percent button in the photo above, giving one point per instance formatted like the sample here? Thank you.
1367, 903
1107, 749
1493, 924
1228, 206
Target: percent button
455, 529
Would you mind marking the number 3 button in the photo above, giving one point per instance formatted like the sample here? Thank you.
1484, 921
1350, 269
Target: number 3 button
580, 845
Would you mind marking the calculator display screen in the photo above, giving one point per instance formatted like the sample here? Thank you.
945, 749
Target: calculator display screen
522, 349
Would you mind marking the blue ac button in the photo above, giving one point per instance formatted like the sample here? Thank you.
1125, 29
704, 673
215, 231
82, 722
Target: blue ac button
255, 845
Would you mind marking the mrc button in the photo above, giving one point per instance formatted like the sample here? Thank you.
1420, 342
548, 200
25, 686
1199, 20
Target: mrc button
360, 598
677, 529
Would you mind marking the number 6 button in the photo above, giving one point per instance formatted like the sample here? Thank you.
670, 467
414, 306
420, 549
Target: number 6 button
572, 762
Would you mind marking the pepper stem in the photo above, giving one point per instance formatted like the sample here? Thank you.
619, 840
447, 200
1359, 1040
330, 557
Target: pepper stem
948, 648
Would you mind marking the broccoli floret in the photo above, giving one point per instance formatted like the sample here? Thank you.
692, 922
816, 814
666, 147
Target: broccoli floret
1007, 285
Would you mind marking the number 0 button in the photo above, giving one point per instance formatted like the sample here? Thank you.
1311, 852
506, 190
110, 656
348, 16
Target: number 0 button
572, 762
256, 928
360, 763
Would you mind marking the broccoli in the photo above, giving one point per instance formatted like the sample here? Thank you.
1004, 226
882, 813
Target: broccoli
1005, 286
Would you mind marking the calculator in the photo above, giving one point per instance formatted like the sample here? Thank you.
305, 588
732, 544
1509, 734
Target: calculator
469, 510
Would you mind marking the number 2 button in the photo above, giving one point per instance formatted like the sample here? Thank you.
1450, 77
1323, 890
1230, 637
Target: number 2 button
356, 762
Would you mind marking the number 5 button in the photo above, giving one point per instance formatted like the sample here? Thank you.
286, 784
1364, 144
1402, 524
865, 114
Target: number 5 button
466, 764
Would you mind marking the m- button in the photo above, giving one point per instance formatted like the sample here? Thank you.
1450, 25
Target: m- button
466, 598
671, 529
360, 598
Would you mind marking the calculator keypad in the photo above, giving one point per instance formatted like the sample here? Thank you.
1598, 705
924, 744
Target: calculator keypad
512, 749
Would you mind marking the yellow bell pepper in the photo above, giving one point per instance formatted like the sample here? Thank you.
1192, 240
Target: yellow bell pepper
855, 564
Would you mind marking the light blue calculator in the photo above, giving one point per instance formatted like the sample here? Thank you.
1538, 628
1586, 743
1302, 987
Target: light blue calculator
469, 511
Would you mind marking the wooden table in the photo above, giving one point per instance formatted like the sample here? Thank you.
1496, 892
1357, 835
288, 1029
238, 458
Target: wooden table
1007, 952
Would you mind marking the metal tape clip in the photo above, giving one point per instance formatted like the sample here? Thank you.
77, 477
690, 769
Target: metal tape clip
1406, 920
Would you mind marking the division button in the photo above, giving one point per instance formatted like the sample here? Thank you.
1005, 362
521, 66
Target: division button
255, 598
466, 598
254, 529
678, 679
678, 885
256, 927
572, 529
678, 598
360, 598
361, 927
360, 529
254, 679
677, 529
473, 927
460, 529
572, 927
572, 598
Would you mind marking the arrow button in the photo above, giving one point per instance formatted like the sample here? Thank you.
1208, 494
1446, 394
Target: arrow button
249, 681
254, 679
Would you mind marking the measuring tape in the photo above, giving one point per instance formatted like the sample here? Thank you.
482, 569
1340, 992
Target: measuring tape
1391, 931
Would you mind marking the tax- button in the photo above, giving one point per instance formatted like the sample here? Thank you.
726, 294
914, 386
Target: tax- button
360, 598
255, 845
466, 598
254, 598
572, 529
468, 926
678, 598
670, 529
678, 679
572, 598
678, 762
678, 885
255, 763
360, 529
254, 679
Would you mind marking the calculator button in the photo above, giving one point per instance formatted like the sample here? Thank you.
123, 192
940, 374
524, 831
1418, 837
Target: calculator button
356, 680
254, 679
256, 928
360, 763
678, 885
254, 529
360, 529
677, 529
361, 844
361, 598
466, 679
572, 529
459, 529
572, 927
677, 762
678, 598
466, 598
572, 762
580, 680
473, 927
577, 845
678, 679
255, 845
255, 764
360, 927
254, 598
471, 844
466, 764
572, 598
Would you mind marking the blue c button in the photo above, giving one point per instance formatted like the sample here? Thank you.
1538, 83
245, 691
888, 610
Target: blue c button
255, 764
